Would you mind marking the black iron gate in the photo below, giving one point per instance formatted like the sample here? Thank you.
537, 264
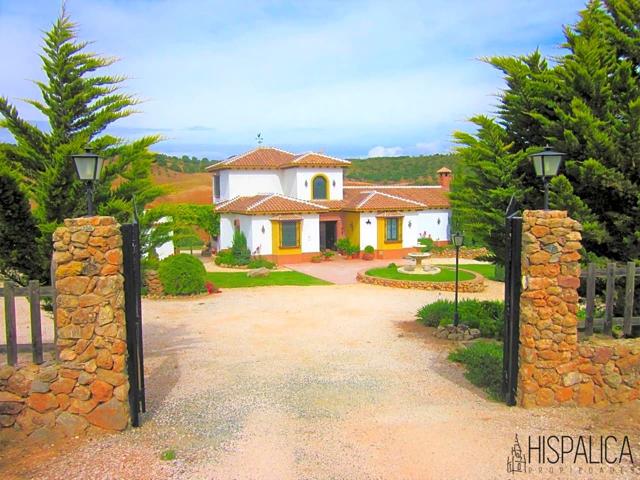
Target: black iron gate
512, 287
133, 312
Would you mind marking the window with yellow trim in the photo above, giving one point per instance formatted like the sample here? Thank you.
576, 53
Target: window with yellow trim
289, 234
320, 188
392, 229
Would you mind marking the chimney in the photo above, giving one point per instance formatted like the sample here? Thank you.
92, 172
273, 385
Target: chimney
445, 177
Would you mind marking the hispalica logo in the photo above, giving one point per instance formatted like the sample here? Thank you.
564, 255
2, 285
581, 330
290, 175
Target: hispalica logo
576, 453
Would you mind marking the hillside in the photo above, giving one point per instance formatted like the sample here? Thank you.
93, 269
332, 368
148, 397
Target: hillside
420, 170
184, 187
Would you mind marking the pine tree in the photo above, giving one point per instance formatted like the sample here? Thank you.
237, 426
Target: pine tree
79, 103
20, 253
588, 106
487, 179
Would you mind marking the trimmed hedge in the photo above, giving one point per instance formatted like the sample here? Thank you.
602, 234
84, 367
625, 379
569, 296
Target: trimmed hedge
487, 316
483, 362
182, 274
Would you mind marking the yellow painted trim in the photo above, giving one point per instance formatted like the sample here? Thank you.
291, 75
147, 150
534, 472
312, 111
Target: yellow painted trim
352, 227
383, 243
328, 190
276, 235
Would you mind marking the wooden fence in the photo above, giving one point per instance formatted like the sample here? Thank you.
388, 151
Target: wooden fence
610, 274
34, 292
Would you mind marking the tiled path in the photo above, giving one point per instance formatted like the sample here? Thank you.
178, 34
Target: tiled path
339, 271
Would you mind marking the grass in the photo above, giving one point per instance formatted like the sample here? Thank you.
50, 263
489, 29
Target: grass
486, 270
483, 364
240, 279
444, 275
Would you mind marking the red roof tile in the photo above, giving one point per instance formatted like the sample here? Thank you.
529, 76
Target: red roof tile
274, 158
268, 203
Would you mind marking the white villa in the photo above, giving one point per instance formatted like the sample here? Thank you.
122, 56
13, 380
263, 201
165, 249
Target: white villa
293, 206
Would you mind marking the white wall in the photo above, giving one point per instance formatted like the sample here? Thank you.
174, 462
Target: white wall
310, 241
425, 223
249, 182
260, 240
368, 233
307, 174
226, 231
289, 182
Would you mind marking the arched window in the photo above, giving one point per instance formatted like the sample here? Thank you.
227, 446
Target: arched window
320, 188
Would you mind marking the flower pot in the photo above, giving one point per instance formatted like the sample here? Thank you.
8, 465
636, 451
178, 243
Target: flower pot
355, 255
367, 256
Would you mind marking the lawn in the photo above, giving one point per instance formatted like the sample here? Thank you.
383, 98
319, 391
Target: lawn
240, 279
445, 274
487, 270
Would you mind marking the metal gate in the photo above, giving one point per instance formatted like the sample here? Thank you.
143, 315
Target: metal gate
512, 287
133, 318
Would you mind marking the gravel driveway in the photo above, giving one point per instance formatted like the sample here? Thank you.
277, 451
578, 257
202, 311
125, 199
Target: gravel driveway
326, 382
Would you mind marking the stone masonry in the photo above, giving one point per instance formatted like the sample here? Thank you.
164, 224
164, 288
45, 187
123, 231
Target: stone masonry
88, 386
555, 368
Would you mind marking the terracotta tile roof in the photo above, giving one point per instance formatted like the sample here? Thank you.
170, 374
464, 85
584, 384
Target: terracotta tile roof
274, 158
312, 159
258, 158
268, 203
415, 197
444, 170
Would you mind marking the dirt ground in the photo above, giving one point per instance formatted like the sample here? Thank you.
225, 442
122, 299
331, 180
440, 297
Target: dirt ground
326, 382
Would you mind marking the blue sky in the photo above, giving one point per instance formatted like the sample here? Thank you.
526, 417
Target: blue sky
350, 78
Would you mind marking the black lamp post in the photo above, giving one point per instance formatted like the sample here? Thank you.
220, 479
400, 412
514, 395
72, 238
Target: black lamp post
546, 163
458, 240
88, 166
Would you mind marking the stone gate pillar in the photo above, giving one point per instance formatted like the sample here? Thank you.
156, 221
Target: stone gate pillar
91, 333
548, 308
87, 387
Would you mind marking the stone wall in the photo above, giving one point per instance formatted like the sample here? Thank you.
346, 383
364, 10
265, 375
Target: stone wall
467, 286
555, 368
88, 386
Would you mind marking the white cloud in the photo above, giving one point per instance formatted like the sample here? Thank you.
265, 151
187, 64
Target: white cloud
380, 151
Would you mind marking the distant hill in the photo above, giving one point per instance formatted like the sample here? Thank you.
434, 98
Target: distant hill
420, 170
184, 187
184, 164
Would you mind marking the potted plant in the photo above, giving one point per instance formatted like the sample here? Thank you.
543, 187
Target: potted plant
328, 254
342, 245
369, 252
354, 252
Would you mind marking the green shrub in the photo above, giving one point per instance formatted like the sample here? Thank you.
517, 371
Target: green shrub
224, 257
426, 243
182, 274
485, 315
259, 262
392, 266
343, 245
239, 248
483, 362
369, 249
352, 250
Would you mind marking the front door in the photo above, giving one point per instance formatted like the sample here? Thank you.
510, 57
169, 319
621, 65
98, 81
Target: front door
328, 232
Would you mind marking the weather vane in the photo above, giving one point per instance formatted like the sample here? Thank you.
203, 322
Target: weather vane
259, 138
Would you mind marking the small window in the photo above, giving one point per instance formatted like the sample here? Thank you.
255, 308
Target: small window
289, 237
320, 187
216, 186
393, 230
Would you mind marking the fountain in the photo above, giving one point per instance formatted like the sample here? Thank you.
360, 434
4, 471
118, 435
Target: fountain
419, 268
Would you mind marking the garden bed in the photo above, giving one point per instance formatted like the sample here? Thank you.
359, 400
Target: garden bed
469, 282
